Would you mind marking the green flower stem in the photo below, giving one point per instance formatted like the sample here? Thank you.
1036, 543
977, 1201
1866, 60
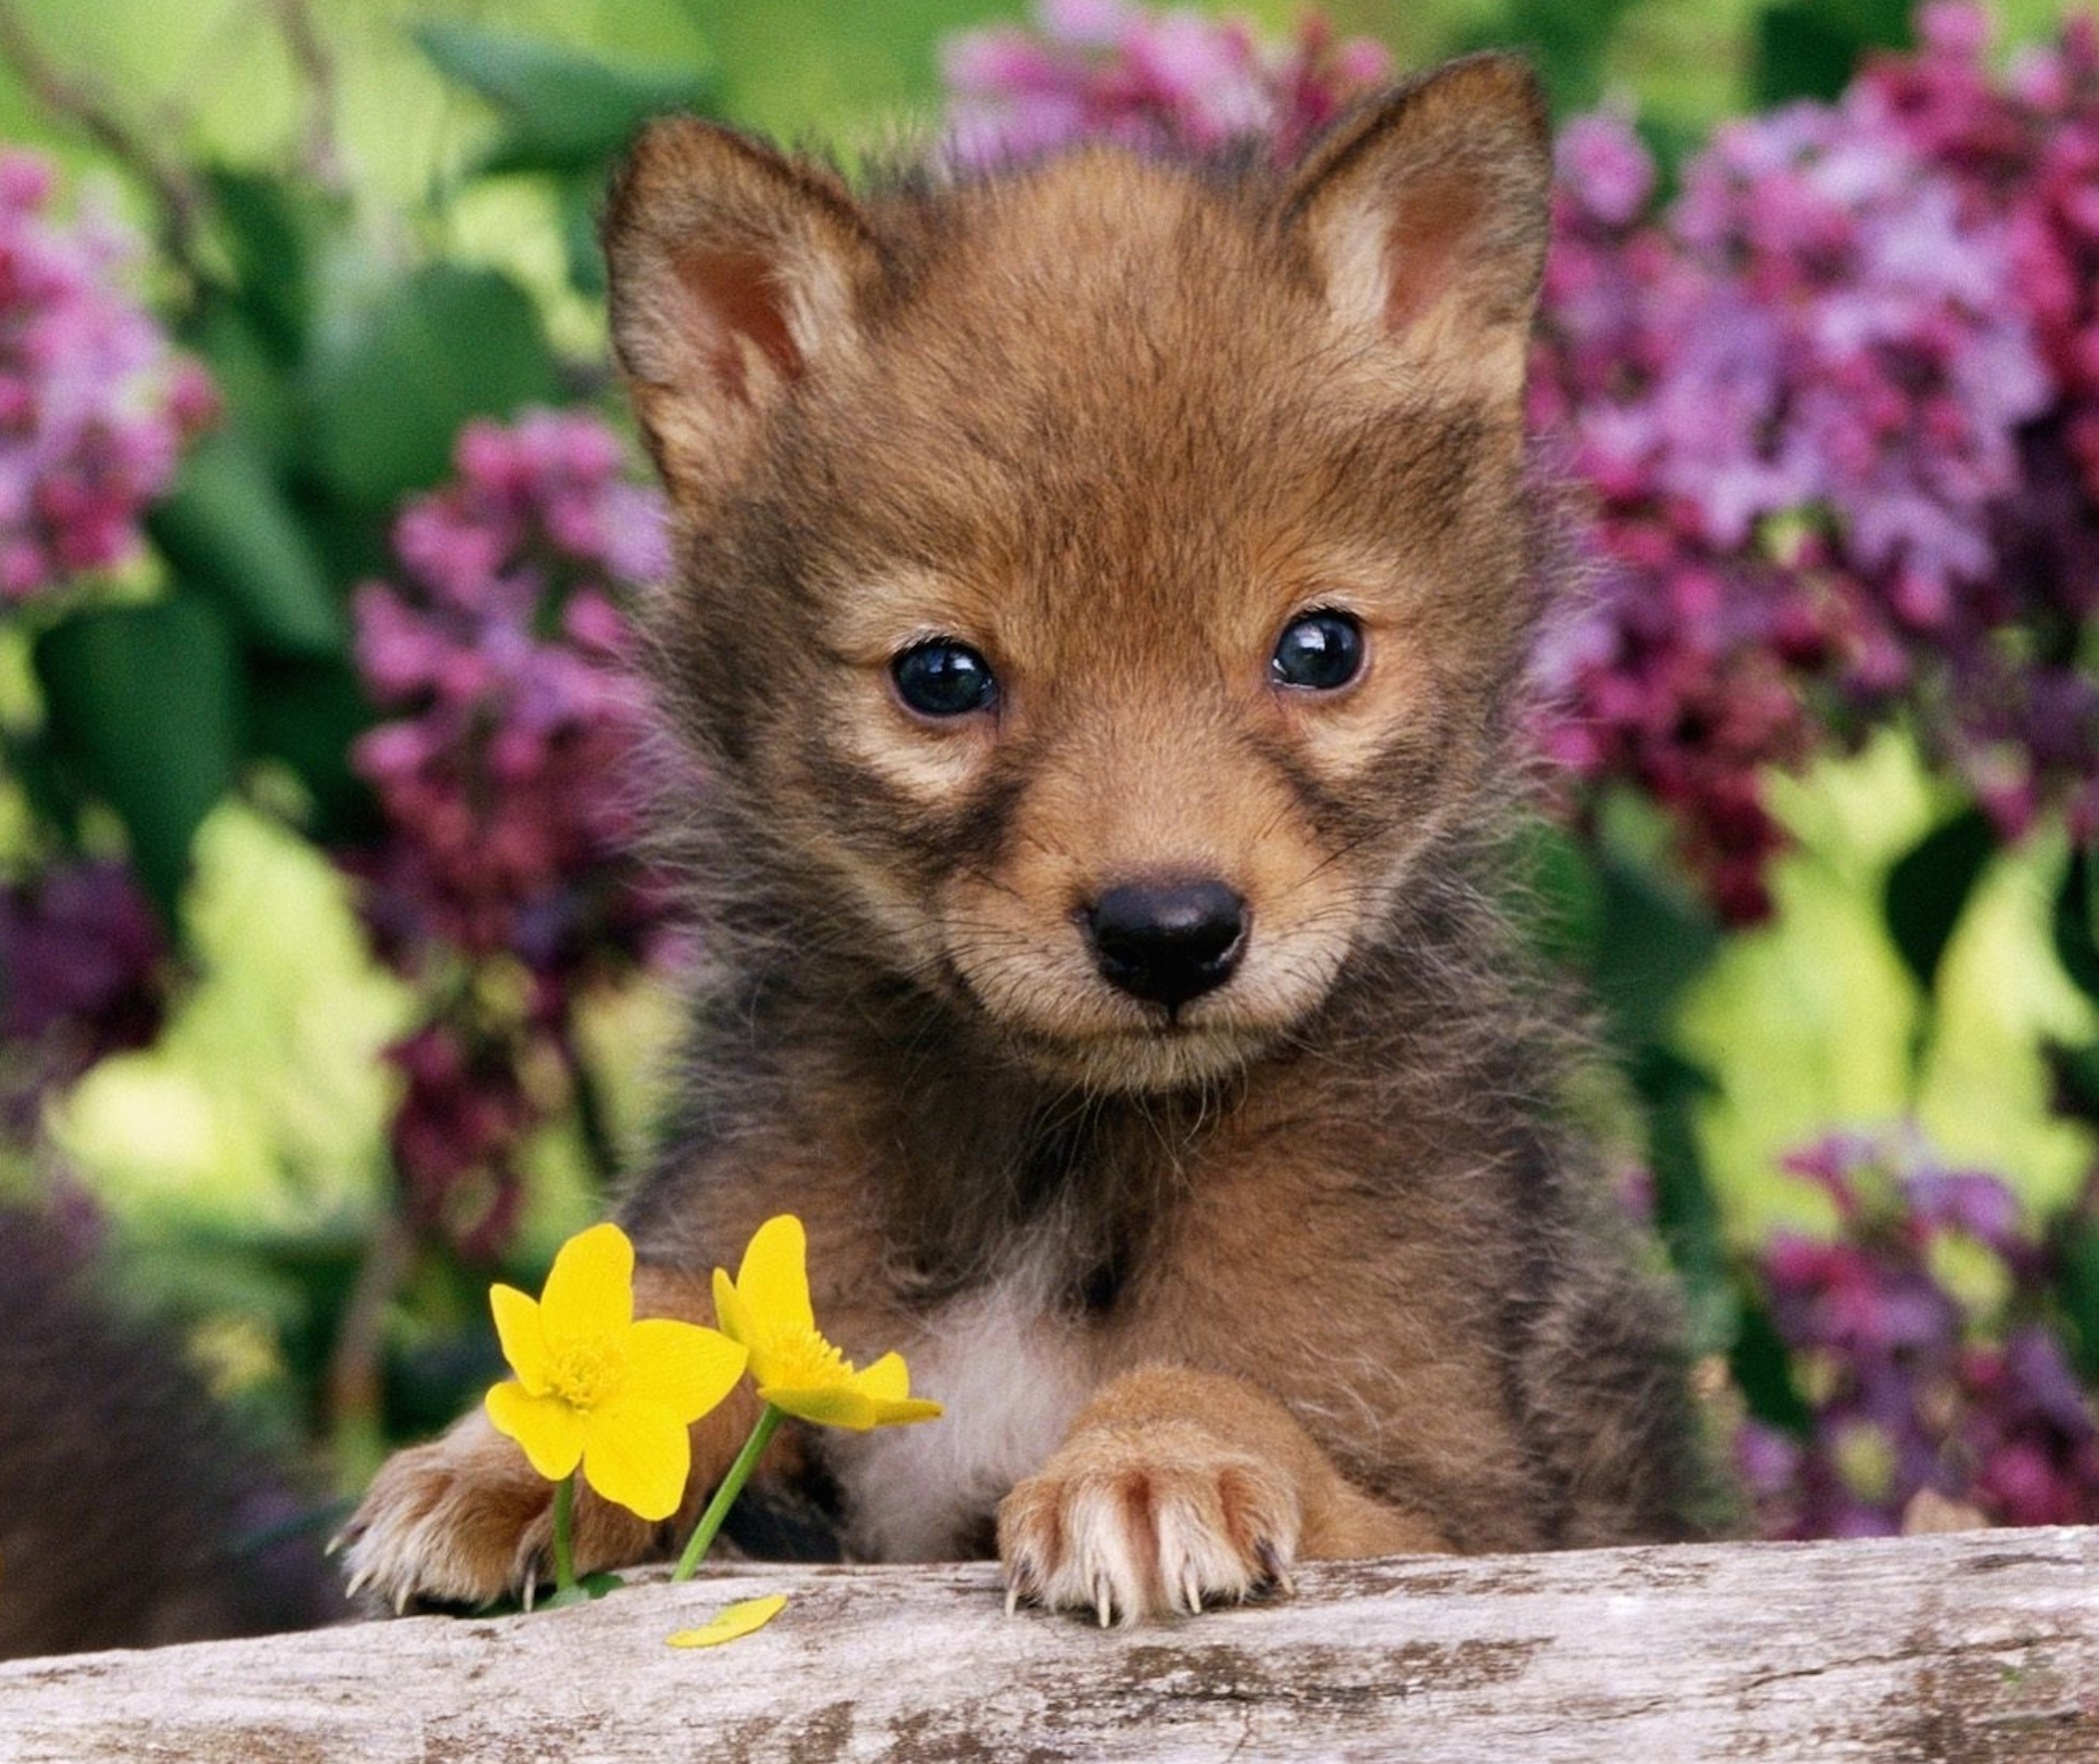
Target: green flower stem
564, 1515
732, 1486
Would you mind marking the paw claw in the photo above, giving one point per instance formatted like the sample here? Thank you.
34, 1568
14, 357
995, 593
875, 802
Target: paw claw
1128, 1528
1273, 1569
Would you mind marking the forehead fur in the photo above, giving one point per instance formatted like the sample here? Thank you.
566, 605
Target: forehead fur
1109, 306
1107, 365
1099, 243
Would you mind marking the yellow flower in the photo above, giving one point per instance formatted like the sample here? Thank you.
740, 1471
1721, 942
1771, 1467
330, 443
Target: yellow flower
767, 1308
731, 1623
596, 1388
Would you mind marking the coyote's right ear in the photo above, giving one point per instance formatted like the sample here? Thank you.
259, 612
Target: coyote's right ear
1426, 218
733, 271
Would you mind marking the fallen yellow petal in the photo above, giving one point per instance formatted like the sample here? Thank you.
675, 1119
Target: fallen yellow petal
738, 1619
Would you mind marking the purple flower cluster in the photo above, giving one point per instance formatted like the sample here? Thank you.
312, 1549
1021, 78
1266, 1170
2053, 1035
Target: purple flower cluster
1828, 411
510, 774
94, 404
2026, 148
502, 650
1917, 1338
464, 1113
1111, 70
82, 970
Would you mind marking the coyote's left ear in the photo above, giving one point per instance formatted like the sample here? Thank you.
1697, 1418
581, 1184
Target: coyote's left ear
1427, 219
735, 272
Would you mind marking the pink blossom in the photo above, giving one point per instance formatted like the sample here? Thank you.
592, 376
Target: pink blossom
1912, 1386
83, 972
1845, 387
1103, 69
509, 768
94, 404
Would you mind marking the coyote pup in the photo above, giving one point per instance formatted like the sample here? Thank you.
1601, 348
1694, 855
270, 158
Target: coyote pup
1102, 590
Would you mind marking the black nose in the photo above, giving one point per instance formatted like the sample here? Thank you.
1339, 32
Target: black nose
1167, 944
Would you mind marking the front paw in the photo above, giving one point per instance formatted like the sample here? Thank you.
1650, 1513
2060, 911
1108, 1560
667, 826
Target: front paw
464, 1519
1137, 1523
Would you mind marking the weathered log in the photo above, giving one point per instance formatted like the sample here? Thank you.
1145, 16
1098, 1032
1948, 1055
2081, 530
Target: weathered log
1982, 1646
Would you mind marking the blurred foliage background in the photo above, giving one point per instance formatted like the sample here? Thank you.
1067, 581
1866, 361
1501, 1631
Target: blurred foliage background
371, 222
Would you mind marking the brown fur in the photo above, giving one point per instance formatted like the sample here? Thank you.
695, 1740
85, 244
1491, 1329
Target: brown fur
1301, 1267
133, 1513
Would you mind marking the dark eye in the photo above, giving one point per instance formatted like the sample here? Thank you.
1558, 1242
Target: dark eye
944, 679
1318, 652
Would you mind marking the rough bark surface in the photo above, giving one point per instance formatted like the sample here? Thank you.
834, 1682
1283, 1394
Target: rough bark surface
1983, 1647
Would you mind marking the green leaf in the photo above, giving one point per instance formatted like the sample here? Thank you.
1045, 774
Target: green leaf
562, 110
146, 699
2076, 923
1763, 1373
48, 786
1801, 52
2074, 1071
1930, 887
271, 227
579, 199
1653, 943
1811, 48
2075, 1259
306, 715
1686, 1214
228, 532
422, 356
258, 394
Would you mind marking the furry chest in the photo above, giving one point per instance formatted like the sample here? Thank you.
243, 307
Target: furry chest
1010, 1374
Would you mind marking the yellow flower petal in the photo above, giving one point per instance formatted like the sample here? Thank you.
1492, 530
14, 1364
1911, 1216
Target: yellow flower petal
847, 1405
548, 1428
735, 1620
639, 1454
591, 1288
902, 1413
888, 1377
730, 1311
518, 1328
828, 1405
683, 1367
773, 1282
887, 1386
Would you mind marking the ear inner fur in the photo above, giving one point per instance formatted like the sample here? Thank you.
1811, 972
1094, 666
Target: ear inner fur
735, 288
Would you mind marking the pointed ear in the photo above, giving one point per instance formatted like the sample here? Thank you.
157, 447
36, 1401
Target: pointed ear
1426, 218
734, 270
